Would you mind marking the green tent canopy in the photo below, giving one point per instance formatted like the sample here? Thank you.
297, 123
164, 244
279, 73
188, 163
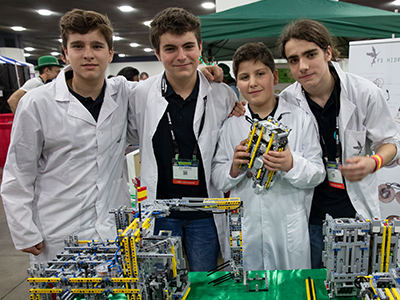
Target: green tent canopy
265, 19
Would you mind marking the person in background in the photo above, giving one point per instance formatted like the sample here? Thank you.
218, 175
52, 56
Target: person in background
143, 76
131, 74
357, 134
48, 68
275, 222
228, 79
176, 116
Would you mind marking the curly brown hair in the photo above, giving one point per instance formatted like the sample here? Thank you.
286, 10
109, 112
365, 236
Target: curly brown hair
176, 21
82, 21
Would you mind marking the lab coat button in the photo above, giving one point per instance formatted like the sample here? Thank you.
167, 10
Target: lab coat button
98, 181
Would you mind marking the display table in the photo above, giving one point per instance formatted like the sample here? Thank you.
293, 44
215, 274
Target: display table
288, 284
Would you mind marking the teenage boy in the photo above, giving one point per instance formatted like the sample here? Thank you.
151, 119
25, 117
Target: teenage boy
176, 116
353, 120
275, 227
64, 169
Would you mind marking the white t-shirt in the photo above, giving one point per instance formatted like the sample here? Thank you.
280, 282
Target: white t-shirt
31, 84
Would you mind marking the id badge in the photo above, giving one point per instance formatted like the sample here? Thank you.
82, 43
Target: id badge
334, 176
185, 171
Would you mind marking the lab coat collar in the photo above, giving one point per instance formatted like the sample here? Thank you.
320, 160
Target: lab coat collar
282, 109
76, 109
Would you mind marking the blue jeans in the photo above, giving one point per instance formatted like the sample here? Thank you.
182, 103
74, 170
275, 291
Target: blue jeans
317, 245
199, 239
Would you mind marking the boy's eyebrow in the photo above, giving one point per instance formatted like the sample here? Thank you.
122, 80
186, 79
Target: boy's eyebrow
171, 45
92, 42
303, 53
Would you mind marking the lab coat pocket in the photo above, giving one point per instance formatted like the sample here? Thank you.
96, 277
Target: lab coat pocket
355, 143
118, 138
58, 218
297, 233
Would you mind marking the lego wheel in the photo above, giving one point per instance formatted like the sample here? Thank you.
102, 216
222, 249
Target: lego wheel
358, 280
366, 293
385, 193
398, 197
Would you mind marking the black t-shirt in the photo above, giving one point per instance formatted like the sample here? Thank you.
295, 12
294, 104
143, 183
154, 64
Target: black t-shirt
272, 113
93, 107
327, 199
182, 116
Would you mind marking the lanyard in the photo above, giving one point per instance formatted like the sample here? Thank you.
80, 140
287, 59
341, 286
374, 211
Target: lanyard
171, 128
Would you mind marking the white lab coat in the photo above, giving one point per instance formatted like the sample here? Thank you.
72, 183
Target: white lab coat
275, 223
64, 170
146, 108
364, 119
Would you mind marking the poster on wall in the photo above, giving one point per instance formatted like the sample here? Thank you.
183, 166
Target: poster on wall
379, 62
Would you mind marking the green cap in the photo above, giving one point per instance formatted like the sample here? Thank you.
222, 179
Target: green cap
47, 61
225, 68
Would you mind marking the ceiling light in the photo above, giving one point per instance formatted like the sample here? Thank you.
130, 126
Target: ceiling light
60, 40
29, 49
147, 49
126, 8
18, 28
133, 45
27, 54
55, 53
117, 38
147, 23
208, 5
396, 2
44, 12
122, 55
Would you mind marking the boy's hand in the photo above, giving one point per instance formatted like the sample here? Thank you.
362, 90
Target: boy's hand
238, 110
212, 73
357, 168
278, 161
240, 157
35, 250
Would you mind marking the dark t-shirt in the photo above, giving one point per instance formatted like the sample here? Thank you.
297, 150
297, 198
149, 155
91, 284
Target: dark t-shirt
327, 199
182, 116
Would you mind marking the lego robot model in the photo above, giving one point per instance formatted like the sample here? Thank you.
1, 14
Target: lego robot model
264, 136
355, 248
136, 266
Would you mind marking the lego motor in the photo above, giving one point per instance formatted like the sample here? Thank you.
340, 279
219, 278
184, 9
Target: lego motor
264, 136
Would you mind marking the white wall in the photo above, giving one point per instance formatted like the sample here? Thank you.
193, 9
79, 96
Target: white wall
221, 5
151, 67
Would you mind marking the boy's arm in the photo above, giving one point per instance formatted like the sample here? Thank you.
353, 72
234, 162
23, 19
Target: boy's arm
132, 135
308, 169
223, 161
382, 130
19, 176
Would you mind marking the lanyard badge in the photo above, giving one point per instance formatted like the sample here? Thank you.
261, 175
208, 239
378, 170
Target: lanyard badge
334, 175
185, 171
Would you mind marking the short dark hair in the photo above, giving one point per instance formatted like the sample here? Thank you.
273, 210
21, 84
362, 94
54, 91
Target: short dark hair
41, 70
310, 31
129, 73
143, 74
176, 21
253, 51
82, 21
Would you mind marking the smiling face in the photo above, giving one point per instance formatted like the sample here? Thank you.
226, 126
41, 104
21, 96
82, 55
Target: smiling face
308, 64
180, 56
89, 56
256, 82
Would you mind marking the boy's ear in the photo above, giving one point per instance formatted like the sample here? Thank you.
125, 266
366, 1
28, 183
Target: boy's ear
111, 56
276, 77
157, 54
